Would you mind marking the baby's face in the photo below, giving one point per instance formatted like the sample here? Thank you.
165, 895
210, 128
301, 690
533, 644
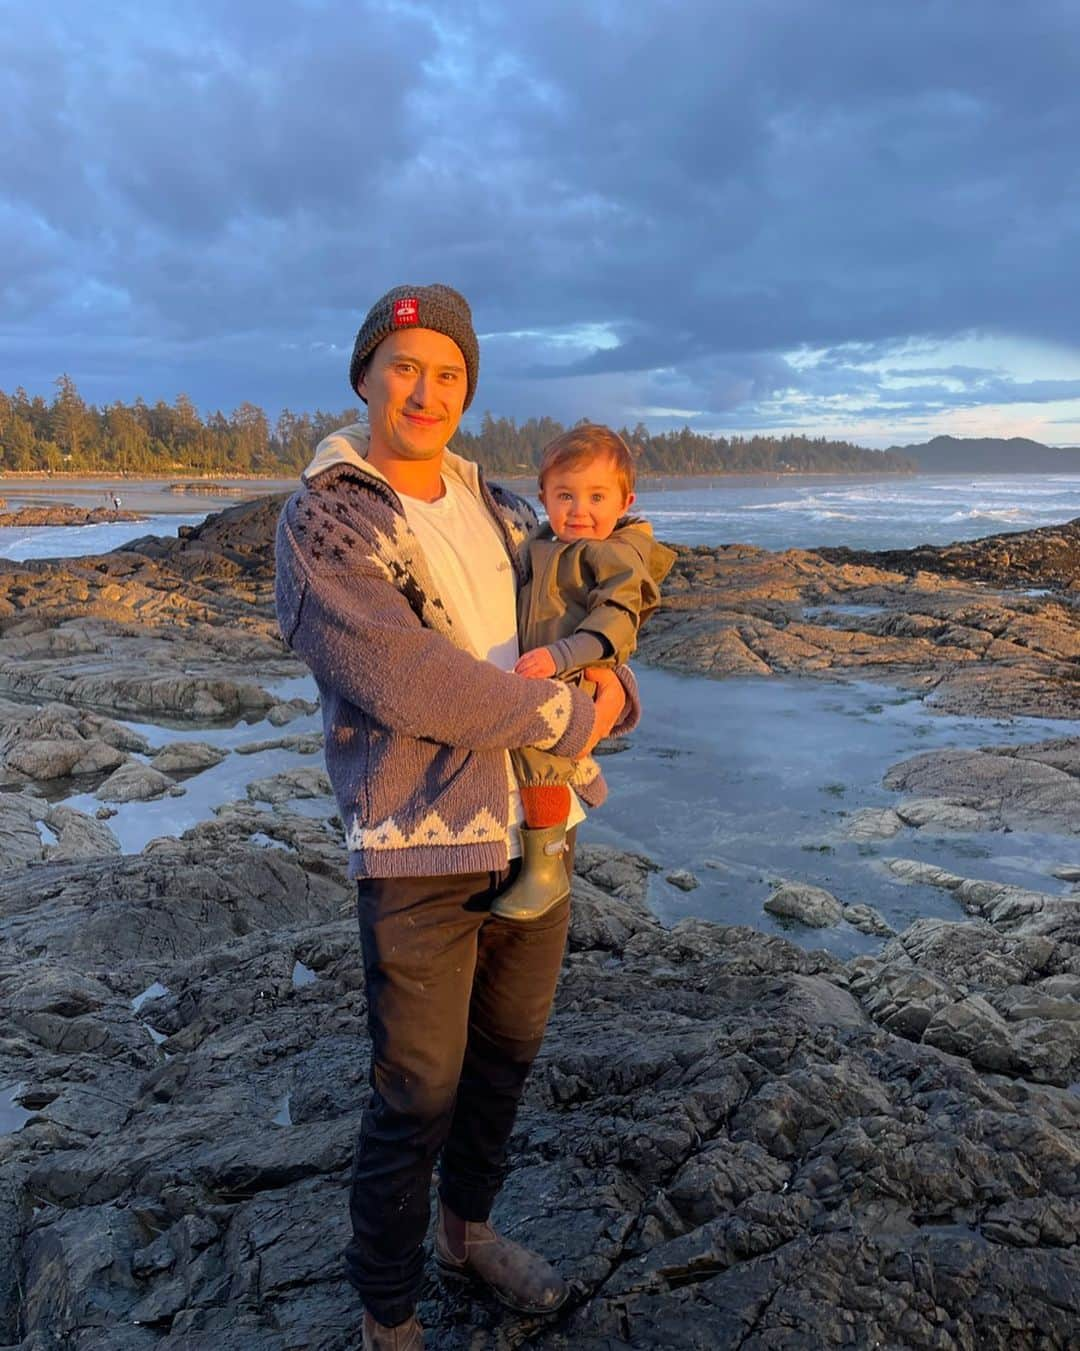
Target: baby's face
584, 502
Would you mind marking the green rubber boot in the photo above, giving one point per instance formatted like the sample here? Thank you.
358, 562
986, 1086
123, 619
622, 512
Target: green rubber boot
542, 882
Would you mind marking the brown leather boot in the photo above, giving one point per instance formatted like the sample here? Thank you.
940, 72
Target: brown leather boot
520, 1279
407, 1336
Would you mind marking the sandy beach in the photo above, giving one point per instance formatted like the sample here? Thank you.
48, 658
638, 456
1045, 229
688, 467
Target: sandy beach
151, 497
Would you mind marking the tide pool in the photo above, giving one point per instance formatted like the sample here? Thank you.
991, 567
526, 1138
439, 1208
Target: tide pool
745, 782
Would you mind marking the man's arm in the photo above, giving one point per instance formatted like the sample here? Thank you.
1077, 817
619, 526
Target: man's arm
359, 636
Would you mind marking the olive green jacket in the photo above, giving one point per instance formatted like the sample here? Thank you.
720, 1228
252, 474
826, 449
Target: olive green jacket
603, 587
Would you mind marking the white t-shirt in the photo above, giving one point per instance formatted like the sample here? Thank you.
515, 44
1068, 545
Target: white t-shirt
481, 598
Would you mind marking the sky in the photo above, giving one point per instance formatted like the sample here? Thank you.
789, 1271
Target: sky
851, 220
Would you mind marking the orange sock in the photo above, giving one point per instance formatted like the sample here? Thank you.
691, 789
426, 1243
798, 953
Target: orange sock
545, 804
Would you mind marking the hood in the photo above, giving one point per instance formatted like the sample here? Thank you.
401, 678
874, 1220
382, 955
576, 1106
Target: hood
349, 445
657, 557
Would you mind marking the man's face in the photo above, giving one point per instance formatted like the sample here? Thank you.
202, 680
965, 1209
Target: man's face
415, 385
584, 502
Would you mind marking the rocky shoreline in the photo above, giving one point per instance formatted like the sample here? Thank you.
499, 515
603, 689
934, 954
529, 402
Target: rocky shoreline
961, 624
61, 514
729, 1141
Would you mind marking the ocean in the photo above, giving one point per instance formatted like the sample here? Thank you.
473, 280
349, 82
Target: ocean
786, 512
774, 512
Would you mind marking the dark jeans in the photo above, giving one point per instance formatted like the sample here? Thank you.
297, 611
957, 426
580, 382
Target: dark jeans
458, 1000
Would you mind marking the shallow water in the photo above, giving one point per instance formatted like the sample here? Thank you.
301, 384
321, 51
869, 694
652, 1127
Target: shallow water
76, 541
747, 782
13, 1117
136, 823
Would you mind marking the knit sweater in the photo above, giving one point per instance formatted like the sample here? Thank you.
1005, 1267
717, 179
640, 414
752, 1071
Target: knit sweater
416, 726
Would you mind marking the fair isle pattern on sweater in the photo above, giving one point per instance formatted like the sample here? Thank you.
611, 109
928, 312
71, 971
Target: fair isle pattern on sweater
416, 727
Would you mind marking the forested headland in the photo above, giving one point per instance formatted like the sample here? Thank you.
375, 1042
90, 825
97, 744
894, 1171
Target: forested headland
68, 435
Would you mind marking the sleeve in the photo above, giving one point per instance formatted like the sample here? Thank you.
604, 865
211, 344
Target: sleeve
360, 637
622, 596
578, 651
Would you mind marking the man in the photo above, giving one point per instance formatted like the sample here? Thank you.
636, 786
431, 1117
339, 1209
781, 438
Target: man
397, 572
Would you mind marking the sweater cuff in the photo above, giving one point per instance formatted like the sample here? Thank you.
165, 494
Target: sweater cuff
631, 714
580, 726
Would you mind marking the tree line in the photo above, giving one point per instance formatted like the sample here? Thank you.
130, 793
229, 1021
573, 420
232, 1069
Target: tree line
67, 434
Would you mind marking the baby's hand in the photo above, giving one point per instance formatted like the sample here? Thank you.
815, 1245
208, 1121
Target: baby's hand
538, 664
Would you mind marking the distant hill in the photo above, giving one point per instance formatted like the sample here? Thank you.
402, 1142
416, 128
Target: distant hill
990, 455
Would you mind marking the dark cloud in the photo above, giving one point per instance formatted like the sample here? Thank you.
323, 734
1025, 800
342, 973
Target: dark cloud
660, 202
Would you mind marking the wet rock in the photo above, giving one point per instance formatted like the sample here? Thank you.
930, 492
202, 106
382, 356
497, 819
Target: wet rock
57, 741
717, 1143
1011, 909
899, 996
868, 920
290, 710
739, 610
975, 991
47, 758
1022, 1001
809, 905
873, 823
609, 905
160, 628
187, 757
134, 782
306, 782
20, 839
62, 514
916, 871
315, 843
972, 1028
971, 953
1046, 556
684, 879
939, 814
78, 835
307, 743
993, 788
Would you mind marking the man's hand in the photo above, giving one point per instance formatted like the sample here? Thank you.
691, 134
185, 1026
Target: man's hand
537, 663
609, 699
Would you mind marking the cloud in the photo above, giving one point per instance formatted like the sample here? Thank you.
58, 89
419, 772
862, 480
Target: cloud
747, 211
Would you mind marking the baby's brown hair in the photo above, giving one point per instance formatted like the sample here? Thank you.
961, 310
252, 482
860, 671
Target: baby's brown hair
589, 441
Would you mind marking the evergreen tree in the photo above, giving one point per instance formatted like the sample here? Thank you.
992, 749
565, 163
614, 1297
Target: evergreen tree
164, 438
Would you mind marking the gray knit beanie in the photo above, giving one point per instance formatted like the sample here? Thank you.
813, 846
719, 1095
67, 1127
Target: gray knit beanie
437, 307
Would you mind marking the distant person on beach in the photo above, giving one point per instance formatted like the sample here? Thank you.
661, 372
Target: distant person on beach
594, 576
116, 503
397, 573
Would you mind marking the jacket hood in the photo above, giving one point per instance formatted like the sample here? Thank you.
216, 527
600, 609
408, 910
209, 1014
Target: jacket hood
349, 445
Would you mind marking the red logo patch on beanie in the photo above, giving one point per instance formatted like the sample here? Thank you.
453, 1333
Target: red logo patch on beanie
406, 311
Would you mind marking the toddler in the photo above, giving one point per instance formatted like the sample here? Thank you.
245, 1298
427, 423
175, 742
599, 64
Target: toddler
594, 579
